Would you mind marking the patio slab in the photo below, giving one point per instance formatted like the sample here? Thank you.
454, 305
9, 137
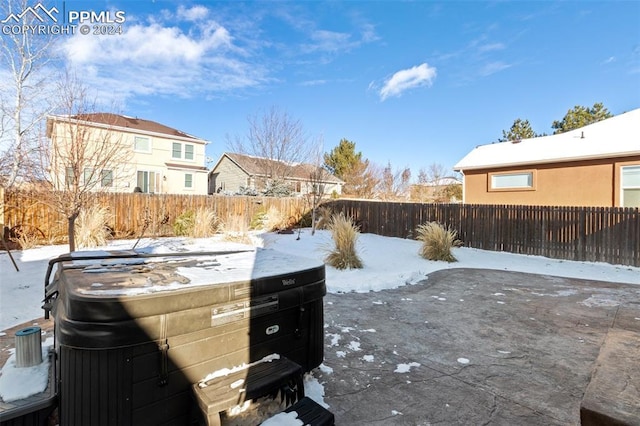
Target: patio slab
470, 346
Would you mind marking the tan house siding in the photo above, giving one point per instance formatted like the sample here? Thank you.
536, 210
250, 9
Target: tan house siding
227, 176
233, 171
594, 183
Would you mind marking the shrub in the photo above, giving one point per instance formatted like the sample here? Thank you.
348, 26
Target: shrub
91, 228
323, 216
199, 224
183, 225
437, 241
345, 236
270, 220
205, 224
277, 188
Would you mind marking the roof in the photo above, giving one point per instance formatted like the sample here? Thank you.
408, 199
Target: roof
254, 166
130, 123
618, 136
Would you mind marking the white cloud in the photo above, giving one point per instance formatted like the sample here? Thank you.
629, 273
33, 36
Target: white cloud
493, 67
491, 47
403, 80
158, 58
195, 13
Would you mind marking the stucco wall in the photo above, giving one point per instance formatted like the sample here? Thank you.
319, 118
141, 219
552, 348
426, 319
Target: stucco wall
594, 183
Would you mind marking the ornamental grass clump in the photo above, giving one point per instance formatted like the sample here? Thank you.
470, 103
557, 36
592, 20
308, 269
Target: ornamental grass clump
437, 241
205, 223
91, 228
345, 236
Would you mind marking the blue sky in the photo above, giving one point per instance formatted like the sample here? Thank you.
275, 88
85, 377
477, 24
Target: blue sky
411, 83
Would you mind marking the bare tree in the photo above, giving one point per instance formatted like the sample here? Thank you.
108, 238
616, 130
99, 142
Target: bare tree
24, 97
318, 177
277, 140
434, 184
82, 159
362, 180
394, 185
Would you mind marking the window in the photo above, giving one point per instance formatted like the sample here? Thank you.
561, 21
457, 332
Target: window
630, 186
520, 180
106, 178
188, 180
142, 144
188, 151
89, 177
176, 151
148, 182
69, 177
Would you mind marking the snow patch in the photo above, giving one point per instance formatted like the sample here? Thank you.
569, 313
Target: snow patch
405, 368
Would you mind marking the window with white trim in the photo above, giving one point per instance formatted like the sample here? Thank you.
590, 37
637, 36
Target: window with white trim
141, 144
188, 151
519, 180
89, 177
176, 150
188, 181
148, 182
70, 176
630, 186
182, 151
106, 178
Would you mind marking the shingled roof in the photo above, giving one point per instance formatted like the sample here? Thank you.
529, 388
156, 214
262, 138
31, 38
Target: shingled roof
133, 123
254, 166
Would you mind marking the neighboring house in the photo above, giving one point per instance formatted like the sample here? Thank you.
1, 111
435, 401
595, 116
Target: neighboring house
234, 172
596, 165
445, 190
159, 159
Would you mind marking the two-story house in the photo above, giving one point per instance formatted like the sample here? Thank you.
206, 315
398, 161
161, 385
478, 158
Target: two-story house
150, 158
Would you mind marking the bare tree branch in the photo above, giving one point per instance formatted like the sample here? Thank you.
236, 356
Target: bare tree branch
82, 158
278, 140
24, 94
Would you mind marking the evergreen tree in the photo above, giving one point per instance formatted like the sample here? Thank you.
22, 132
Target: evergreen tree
581, 116
521, 129
342, 159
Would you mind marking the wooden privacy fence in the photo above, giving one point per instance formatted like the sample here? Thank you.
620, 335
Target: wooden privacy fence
595, 234
131, 211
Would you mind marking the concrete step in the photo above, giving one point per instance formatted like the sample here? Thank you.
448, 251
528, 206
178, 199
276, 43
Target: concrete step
613, 394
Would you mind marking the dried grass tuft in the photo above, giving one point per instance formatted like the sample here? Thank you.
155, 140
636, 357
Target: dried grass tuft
323, 216
437, 241
205, 223
345, 236
271, 220
91, 228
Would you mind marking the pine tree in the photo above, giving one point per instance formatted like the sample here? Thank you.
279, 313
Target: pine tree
521, 129
342, 159
581, 116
